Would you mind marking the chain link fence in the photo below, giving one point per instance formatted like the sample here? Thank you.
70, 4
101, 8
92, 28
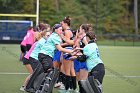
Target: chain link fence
119, 39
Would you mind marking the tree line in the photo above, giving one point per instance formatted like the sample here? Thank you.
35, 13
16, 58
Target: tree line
107, 16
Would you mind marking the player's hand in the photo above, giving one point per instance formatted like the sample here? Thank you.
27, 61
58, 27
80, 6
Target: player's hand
73, 57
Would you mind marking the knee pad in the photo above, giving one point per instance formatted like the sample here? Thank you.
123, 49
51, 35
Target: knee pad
49, 81
95, 84
39, 81
91, 85
84, 86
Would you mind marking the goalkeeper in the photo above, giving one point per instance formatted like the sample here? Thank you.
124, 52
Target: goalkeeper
92, 57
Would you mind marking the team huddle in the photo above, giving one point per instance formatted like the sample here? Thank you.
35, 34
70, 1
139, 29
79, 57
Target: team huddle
59, 57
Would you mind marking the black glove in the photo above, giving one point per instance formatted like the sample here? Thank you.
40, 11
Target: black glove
82, 58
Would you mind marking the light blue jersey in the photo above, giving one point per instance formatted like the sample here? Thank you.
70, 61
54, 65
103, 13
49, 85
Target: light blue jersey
37, 48
50, 46
93, 56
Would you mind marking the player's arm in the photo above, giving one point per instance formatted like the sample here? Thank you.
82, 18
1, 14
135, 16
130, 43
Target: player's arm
67, 37
60, 48
67, 40
85, 41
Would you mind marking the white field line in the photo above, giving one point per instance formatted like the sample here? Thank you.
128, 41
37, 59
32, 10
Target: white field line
8, 73
123, 76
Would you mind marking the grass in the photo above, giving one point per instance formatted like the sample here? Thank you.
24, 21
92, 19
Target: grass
118, 43
120, 61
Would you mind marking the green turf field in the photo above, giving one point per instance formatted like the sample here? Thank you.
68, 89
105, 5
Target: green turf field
122, 69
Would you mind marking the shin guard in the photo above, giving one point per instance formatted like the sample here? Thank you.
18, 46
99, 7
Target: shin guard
49, 81
91, 85
30, 85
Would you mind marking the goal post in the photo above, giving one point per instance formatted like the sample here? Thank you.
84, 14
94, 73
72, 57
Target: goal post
26, 15
19, 15
16, 21
16, 29
13, 29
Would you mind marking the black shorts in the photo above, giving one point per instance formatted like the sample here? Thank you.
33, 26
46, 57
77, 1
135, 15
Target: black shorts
25, 61
98, 72
33, 63
28, 46
23, 48
46, 61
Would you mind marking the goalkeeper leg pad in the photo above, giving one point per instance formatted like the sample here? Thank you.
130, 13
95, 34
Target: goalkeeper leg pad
91, 85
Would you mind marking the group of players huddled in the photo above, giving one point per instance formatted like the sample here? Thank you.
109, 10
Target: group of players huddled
74, 53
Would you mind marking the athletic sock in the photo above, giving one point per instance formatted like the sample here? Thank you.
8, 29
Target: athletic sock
71, 82
67, 82
74, 84
63, 77
59, 78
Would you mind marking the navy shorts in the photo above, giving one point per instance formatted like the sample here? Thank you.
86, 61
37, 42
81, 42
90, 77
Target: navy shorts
79, 65
23, 48
57, 56
34, 63
46, 61
28, 46
67, 56
25, 61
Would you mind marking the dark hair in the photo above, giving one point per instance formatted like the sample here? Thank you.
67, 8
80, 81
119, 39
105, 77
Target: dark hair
74, 32
91, 35
30, 27
87, 27
56, 26
35, 29
67, 20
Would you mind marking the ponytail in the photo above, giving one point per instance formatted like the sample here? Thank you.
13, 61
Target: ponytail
67, 20
91, 36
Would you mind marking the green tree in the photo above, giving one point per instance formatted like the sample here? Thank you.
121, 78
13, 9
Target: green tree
107, 16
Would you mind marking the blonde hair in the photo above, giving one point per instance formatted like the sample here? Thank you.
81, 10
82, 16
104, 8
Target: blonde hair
43, 33
37, 36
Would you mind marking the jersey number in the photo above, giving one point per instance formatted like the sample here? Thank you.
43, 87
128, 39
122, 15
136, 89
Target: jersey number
98, 55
